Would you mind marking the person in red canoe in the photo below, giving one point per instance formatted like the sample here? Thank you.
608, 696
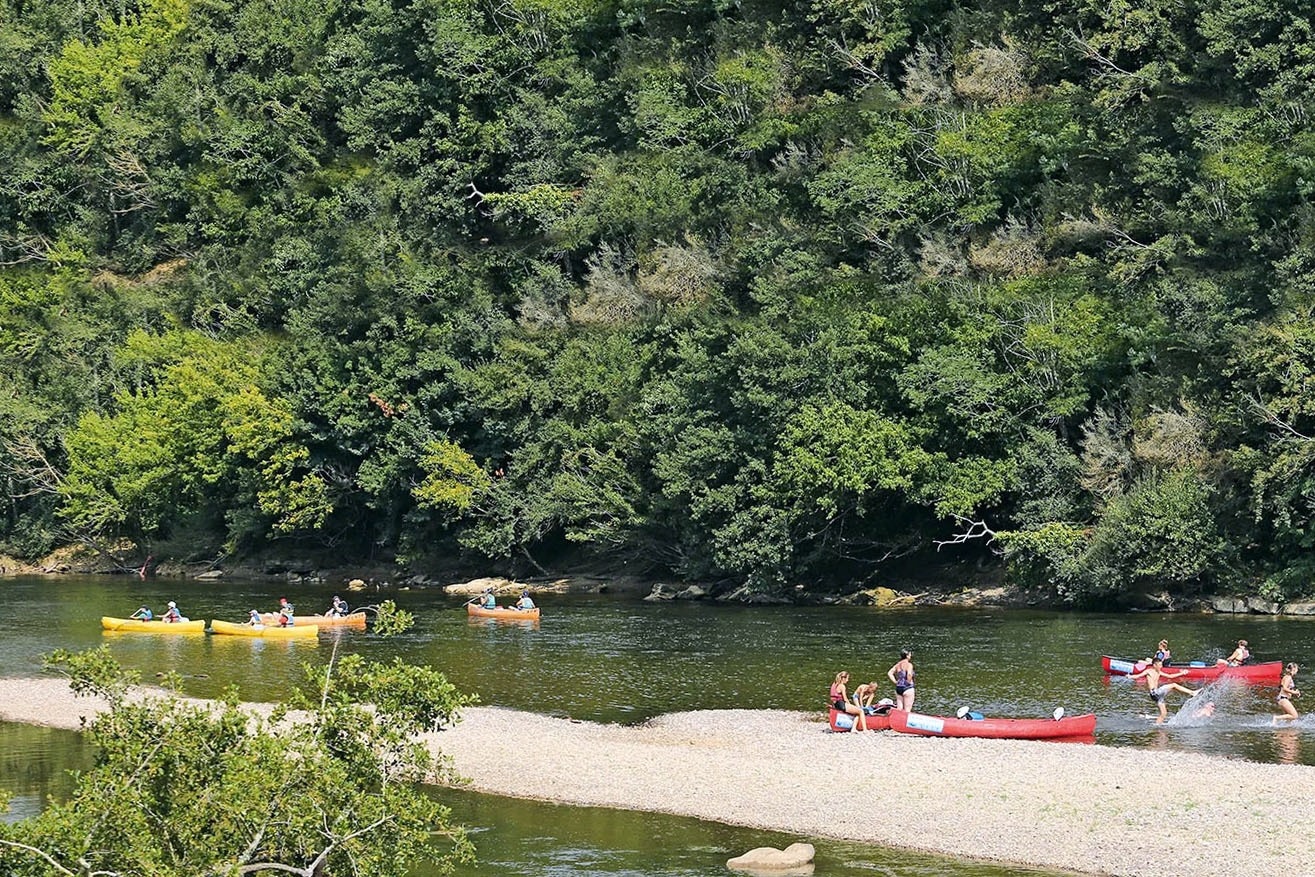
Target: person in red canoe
841, 703
1159, 689
1240, 655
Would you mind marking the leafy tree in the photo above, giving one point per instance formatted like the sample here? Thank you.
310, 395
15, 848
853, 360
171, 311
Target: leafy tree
180, 788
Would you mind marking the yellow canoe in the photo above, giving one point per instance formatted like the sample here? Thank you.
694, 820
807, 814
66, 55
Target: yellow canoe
503, 612
356, 619
300, 631
136, 624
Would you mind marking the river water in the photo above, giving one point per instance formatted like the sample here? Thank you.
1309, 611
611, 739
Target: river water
619, 659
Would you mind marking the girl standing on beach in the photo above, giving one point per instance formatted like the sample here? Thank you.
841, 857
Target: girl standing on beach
840, 701
1286, 692
901, 676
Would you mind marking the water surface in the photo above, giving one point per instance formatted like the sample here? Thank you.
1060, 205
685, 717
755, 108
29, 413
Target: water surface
619, 659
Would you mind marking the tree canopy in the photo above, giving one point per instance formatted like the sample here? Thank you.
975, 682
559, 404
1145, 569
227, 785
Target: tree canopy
771, 291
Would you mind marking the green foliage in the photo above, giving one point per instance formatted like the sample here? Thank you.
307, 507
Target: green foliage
768, 295
186, 789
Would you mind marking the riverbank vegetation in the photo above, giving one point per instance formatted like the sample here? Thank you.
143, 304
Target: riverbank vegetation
186, 788
777, 293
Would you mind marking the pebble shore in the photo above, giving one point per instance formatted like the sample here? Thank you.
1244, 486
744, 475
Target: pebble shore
1088, 809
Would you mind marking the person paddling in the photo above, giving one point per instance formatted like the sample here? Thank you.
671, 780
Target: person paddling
1155, 681
841, 703
172, 615
339, 608
143, 614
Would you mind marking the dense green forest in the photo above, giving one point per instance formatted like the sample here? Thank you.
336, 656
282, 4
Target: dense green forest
765, 292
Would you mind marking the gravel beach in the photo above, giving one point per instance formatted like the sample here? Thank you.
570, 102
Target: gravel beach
1083, 808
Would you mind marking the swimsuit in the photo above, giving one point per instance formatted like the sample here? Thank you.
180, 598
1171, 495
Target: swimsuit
1158, 693
903, 681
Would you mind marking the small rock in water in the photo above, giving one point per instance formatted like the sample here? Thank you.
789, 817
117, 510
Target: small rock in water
796, 860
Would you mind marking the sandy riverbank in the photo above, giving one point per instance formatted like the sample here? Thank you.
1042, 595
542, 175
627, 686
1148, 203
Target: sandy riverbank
1091, 809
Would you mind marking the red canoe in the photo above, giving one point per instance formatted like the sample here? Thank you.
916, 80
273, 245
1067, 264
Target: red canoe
1200, 671
878, 722
998, 729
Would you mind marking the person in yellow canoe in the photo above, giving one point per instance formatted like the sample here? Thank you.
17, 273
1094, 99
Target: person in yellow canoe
143, 614
255, 620
286, 618
172, 615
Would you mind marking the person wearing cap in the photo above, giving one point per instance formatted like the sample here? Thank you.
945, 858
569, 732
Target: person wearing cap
255, 620
143, 614
339, 607
285, 613
525, 602
1240, 655
172, 615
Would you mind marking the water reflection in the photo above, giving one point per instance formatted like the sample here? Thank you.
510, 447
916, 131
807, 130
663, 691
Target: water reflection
1287, 745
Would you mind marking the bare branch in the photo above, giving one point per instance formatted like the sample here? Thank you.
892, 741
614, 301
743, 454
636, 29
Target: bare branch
976, 530
37, 852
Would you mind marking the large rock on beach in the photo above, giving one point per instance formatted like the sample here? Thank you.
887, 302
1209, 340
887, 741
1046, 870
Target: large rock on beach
797, 858
1299, 609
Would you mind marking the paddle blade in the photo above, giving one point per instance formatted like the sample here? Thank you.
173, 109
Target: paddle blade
1059, 713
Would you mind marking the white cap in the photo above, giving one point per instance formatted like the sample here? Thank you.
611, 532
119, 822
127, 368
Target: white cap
173, 605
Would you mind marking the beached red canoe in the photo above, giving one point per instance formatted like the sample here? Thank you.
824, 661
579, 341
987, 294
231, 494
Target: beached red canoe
1200, 671
998, 729
878, 722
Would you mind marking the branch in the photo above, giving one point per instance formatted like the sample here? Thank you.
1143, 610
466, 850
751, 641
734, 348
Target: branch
976, 530
1275, 421
36, 852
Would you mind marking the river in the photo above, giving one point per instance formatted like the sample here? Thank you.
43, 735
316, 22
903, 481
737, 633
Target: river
618, 659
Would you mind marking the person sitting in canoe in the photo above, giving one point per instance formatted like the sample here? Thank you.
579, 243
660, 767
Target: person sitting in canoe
841, 703
1287, 691
339, 607
172, 615
143, 614
525, 602
1159, 689
1240, 655
1161, 652
488, 601
285, 613
255, 620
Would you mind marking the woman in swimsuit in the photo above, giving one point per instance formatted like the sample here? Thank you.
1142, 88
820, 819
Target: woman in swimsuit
841, 703
901, 676
1240, 655
1286, 692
